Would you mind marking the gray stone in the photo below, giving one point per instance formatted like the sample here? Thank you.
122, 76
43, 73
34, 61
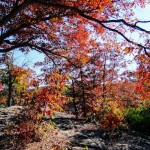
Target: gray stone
94, 143
8, 116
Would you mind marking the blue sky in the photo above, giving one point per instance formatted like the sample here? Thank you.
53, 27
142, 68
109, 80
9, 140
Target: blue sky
28, 59
143, 13
33, 56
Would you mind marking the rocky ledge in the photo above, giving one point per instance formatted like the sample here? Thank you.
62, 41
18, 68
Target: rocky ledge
81, 134
8, 116
78, 133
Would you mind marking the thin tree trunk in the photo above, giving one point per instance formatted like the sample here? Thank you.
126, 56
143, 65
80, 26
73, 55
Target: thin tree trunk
9, 98
74, 102
84, 102
83, 95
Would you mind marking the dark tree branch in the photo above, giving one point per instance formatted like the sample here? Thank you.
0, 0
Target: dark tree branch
14, 12
27, 25
134, 26
53, 53
38, 48
142, 22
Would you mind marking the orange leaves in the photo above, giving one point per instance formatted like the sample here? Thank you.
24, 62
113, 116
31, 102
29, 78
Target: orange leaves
128, 49
34, 82
82, 36
3, 99
56, 19
51, 98
89, 4
82, 58
114, 116
96, 4
110, 121
49, 102
118, 50
104, 4
142, 86
143, 78
117, 109
21, 72
57, 80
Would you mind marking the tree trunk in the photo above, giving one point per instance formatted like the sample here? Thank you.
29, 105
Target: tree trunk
83, 95
74, 102
9, 98
103, 78
84, 102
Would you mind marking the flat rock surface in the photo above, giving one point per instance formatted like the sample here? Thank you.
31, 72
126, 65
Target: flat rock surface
8, 116
83, 134
8, 119
74, 134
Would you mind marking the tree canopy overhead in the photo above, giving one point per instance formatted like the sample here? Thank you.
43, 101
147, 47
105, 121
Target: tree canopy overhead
51, 26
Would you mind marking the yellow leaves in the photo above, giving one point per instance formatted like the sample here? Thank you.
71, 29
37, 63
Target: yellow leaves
21, 78
128, 49
56, 19
117, 109
39, 116
85, 60
82, 57
98, 4
53, 34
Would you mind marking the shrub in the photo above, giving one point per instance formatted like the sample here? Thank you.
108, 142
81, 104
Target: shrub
139, 118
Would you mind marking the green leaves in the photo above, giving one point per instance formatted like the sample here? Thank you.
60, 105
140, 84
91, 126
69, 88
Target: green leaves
139, 118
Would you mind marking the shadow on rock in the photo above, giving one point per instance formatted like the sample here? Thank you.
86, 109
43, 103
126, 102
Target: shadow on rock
11, 142
93, 139
67, 123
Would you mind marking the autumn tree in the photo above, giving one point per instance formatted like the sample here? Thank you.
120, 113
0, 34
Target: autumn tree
142, 77
15, 78
92, 72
